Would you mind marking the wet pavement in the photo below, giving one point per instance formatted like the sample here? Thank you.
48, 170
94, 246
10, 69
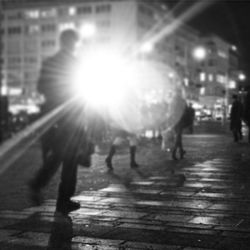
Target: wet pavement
201, 202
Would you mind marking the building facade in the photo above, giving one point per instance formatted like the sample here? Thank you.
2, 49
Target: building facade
31, 29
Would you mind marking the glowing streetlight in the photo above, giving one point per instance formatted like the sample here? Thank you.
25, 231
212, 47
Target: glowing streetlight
199, 53
242, 77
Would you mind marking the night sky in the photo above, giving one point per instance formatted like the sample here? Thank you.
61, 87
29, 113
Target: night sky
229, 19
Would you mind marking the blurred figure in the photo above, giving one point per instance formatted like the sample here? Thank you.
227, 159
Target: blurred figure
247, 112
119, 137
236, 114
62, 142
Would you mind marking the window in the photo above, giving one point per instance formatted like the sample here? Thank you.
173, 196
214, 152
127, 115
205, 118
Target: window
72, 11
15, 16
210, 77
14, 30
103, 23
32, 14
32, 29
84, 10
30, 60
48, 28
103, 8
221, 78
48, 43
202, 76
64, 26
48, 13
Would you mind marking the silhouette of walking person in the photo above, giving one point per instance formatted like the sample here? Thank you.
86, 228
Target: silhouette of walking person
62, 142
236, 114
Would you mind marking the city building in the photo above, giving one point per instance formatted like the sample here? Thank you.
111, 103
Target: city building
218, 75
31, 29
31, 32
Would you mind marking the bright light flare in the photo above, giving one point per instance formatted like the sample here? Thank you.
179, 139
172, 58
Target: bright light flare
103, 79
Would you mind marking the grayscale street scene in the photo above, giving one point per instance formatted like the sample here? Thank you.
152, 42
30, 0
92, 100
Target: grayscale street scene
124, 125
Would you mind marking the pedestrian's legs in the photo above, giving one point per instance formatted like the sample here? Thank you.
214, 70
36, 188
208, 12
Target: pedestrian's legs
68, 182
51, 163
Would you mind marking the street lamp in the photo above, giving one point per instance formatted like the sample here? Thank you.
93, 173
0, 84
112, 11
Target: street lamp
199, 53
242, 77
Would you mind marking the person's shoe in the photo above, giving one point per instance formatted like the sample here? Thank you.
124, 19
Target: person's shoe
67, 206
134, 165
109, 163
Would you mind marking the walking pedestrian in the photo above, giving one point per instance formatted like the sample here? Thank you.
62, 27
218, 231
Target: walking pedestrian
236, 114
62, 142
119, 137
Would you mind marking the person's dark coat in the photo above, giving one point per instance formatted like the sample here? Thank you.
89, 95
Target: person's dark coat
236, 115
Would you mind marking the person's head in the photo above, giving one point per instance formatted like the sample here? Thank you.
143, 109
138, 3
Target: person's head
68, 39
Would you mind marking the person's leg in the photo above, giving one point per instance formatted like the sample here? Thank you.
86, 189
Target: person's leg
68, 181
51, 163
117, 141
182, 151
176, 144
132, 149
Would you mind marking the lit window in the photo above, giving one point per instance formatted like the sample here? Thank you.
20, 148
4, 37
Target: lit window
210, 77
72, 11
32, 14
64, 26
31, 29
222, 54
202, 76
48, 13
221, 78
232, 84
202, 91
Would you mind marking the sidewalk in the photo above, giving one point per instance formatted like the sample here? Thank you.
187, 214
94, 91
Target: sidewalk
201, 202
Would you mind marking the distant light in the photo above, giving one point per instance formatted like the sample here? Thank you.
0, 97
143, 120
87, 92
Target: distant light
199, 53
232, 84
242, 77
147, 47
171, 75
4, 90
186, 82
202, 91
202, 76
88, 30
72, 11
234, 48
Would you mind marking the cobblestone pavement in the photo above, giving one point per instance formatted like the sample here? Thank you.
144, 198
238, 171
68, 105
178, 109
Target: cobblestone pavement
201, 202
